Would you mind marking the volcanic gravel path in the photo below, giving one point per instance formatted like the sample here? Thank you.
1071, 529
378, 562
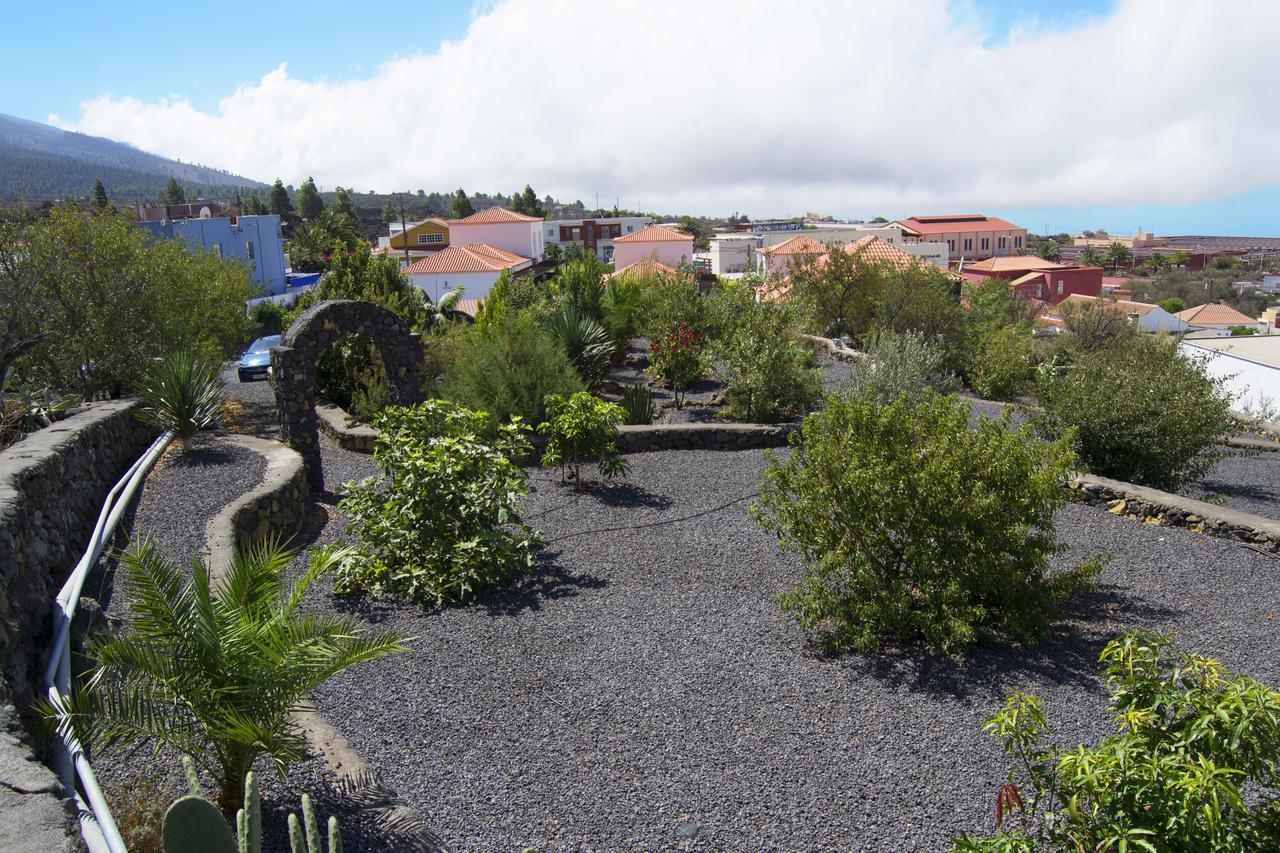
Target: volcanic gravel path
643, 691
1245, 480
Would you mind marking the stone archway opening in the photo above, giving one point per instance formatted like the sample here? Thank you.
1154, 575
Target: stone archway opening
293, 367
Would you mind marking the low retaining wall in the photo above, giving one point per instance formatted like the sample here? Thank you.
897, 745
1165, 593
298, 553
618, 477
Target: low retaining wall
52, 484
1153, 506
277, 507
834, 348
332, 420
640, 438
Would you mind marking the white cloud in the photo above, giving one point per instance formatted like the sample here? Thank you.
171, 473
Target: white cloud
764, 107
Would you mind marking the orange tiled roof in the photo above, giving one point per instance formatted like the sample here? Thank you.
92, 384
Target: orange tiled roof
957, 223
494, 216
644, 266
470, 307
1142, 309
654, 234
800, 245
473, 257
1215, 314
1014, 263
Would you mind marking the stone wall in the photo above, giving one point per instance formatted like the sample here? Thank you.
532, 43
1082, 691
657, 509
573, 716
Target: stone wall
278, 506
52, 485
359, 438
1152, 506
640, 438
833, 347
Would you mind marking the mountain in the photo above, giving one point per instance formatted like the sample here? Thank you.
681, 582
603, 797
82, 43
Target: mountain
39, 161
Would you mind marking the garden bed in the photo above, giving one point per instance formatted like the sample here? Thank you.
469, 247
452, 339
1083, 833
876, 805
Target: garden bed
1247, 480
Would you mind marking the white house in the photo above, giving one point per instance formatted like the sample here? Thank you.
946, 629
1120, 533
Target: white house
503, 229
594, 236
1144, 315
475, 266
1250, 364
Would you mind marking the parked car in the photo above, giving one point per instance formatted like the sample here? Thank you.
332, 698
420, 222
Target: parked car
256, 361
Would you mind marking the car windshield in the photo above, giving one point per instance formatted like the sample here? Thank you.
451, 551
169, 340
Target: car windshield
264, 344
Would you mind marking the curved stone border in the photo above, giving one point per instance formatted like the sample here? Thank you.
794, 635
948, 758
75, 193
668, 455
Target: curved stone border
278, 505
1153, 506
359, 438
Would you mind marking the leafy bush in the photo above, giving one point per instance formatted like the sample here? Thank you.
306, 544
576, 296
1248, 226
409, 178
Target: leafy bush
579, 284
585, 342
915, 528
768, 376
582, 427
895, 364
1173, 304
1195, 764
439, 525
24, 409
674, 299
509, 370
621, 309
637, 403
1004, 364
267, 317
216, 670
678, 357
1141, 412
182, 394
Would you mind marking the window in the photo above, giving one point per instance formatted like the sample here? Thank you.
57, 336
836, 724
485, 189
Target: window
248, 249
1039, 290
1017, 241
551, 234
1000, 241
968, 244
951, 245
1060, 284
425, 239
629, 229
576, 234
986, 243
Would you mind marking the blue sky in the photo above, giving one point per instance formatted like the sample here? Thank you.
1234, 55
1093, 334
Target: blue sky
62, 55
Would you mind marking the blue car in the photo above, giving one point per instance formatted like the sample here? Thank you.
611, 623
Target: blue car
257, 358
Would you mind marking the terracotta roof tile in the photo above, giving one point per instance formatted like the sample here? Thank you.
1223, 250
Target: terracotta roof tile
472, 257
645, 266
1014, 263
800, 245
494, 216
956, 223
1142, 309
654, 234
1215, 314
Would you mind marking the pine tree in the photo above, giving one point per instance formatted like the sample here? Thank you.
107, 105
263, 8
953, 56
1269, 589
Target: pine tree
342, 203
308, 201
99, 194
254, 206
461, 207
388, 213
278, 198
173, 193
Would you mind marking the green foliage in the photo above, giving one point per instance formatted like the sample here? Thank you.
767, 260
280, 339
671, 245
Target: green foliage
308, 200
1090, 257
440, 524
343, 206
100, 201
622, 309
1173, 304
278, 199
671, 300
1242, 330
508, 370
678, 357
182, 394
173, 193
215, 670
915, 528
461, 205
1141, 412
580, 285
24, 409
768, 376
581, 427
1117, 253
585, 342
896, 365
254, 206
836, 296
267, 317
1194, 764
1005, 363
637, 403
526, 202
1049, 250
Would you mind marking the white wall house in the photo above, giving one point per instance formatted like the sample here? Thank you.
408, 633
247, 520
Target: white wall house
475, 266
1249, 364
500, 228
733, 252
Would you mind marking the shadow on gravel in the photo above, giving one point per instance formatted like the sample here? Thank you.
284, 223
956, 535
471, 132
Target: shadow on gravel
627, 495
200, 455
549, 582
1068, 657
1237, 490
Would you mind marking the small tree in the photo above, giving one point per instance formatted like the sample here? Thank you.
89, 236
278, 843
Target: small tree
1090, 257
1173, 304
342, 204
896, 365
582, 427
461, 205
1194, 765
100, 201
768, 376
440, 525
308, 200
1118, 253
915, 528
678, 357
1004, 363
1049, 250
278, 199
254, 206
173, 193
388, 214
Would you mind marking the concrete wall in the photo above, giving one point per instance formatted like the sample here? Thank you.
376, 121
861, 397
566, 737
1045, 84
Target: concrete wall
523, 238
1255, 383
475, 284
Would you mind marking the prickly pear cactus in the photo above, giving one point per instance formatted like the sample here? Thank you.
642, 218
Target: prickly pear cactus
194, 825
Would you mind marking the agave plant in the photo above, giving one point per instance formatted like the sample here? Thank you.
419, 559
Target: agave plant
216, 669
182, 394
585, 341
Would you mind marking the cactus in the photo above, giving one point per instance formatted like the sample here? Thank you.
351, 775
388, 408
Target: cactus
637, 400
194, 825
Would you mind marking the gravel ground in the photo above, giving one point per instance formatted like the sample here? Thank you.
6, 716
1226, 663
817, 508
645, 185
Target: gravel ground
644, 691
1245, 480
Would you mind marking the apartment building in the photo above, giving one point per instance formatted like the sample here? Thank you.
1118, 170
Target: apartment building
504, 229
594, 236
970, 236
256, 240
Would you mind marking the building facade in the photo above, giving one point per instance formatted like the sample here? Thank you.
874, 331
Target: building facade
474, 266
422, 238
970, 236
593, 236
669, 246
256, 240
503, 229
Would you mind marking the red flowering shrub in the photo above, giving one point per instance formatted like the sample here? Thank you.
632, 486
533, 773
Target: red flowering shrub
678, 358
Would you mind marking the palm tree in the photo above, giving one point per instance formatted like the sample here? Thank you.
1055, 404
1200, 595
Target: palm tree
1117, 253
309, 247
217, 670
1158, 262
1090, 257
442, 309
1049, 250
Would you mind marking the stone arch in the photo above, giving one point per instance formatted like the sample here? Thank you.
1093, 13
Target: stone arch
293, 368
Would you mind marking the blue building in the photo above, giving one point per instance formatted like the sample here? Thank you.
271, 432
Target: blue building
256, 240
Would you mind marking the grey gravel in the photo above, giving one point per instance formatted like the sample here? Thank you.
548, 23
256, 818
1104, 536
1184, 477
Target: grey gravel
1245, 480
645, 692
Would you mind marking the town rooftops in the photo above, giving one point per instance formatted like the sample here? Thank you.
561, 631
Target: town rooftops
1014, 263
800, 245
1215, 314
959, 222
644, 267
655, 234
495, 216
1142, 309
870, 249
472, 257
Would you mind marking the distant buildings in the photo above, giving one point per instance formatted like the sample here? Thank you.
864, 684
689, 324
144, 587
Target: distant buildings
870, 250
421, 238
669, 246
256, 240
593, 236
1032, 277
503, 229
971, 236
1144, 315
740, 251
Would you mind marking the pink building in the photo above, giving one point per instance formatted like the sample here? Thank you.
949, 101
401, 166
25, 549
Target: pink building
778, 259
668, 246
501, 228
1032, 277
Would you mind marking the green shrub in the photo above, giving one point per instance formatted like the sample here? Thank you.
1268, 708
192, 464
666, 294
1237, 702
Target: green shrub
182, 394
1141, 412
509, 370
894, 364
267, 317
768, 376
637, 402
915, 528
1004, 364
585, 342
678, 357
579, 285
1173, 304
1195, 763
622, 308
674, 299
582, 427
440, 524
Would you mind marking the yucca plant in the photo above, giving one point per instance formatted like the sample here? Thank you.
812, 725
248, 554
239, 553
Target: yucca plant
182, 394
585, 341
216, 669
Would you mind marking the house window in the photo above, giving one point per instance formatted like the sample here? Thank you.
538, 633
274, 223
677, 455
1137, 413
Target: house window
986, 243
951, 245
1059, 287
1039, 291
551, 234
424, 239
248, 249
1000, 241
1017, 241
968, 244
629, 229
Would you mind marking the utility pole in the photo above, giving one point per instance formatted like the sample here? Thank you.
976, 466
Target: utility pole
404, 230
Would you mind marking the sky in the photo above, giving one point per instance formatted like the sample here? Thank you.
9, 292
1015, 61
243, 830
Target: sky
1059, 115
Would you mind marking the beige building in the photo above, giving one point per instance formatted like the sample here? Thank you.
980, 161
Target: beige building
967, 236
1132, 241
